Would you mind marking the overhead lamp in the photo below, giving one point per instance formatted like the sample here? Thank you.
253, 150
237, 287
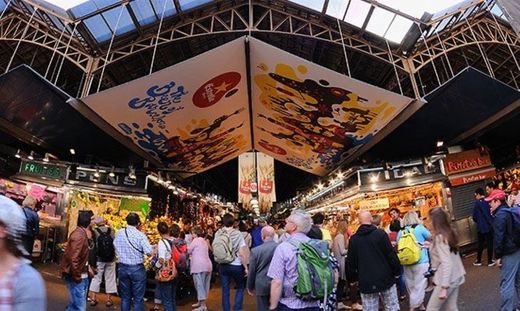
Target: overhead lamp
440, 143
374, 178
131, 172
72, 151
160, 180
31, 155
112, 174
320, 186
96, 174
46, 157
18, 155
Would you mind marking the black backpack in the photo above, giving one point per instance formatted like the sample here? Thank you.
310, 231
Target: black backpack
105, 246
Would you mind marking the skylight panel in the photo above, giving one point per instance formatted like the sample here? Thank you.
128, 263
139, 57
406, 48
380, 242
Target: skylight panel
125, 23
190, 4
380, 21
398, 29
336, 8
357, 13
316, 5
169, 10
143, 11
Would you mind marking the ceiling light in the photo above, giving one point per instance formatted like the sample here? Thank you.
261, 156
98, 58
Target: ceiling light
131, 172
111, 174
31, 155
18, 155
440, 143
72, 151
96, 174
46, 157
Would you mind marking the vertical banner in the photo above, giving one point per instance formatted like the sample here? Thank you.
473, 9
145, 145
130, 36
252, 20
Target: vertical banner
266, 185
246, 178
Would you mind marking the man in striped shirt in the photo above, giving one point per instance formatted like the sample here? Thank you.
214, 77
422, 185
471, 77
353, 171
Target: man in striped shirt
131, 245
283, 267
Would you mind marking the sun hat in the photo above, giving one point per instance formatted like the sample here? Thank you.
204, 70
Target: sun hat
496, 194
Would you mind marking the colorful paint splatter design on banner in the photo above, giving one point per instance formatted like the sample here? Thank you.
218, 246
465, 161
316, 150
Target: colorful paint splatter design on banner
315, 123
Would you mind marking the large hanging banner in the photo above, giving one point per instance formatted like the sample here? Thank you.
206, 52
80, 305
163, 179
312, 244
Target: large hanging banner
309, 116
246, 179
266, 185
191, 116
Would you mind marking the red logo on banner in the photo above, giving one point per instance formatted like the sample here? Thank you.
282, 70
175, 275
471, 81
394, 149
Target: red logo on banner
266, 186
212, 91
254, 187
245, 186
272, 148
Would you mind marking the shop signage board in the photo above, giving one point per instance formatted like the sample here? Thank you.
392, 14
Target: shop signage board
311, 117
469, 178
455, 163
120, 182
371, 176
43, 170
191, 116
374, 204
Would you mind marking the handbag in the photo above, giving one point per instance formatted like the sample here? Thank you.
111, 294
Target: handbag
167, 272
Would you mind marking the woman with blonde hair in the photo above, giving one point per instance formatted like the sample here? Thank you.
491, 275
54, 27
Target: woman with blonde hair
415, 281
339, 248
446, 262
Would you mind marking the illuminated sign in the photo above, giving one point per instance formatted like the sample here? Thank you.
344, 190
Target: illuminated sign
43, 170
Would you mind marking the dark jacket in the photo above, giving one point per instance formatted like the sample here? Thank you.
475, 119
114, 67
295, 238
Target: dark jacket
259, 261
256, 236
315, 233
503, 235
371, 260
74, 261
482, 216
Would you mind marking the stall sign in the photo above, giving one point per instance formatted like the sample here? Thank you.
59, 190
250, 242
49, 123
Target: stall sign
120, 181
372, 176
466, 161
375, 204
43, 170
469, 178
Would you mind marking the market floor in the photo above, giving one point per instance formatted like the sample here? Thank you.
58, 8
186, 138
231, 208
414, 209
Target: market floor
479, 293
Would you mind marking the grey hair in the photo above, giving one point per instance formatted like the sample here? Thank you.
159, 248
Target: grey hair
302, 220
29, 201
411, 218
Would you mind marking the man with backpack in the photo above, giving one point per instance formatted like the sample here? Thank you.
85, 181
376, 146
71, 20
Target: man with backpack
32, 224
106, 265
373, 263
506, 227
292, 265
482, 217
231, 252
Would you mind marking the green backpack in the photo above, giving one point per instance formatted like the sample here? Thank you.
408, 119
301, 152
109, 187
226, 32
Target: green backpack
408, 250
315, 272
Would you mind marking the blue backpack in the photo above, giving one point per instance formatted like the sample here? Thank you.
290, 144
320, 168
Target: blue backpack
515, 222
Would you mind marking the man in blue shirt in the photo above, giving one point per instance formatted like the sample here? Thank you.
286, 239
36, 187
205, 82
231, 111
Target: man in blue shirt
32, 224
482, 216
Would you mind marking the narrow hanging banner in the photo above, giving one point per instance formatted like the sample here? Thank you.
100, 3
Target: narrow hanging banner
246, 178
266, 185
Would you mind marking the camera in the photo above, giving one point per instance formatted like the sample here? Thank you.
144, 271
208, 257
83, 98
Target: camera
430, 273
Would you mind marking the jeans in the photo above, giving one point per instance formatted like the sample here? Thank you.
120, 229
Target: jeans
78, 294
132, 284
166, 291
237, 273
488, 238
510, 281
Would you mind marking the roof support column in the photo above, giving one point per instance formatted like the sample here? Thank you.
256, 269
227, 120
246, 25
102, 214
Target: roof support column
92, 66
410, 68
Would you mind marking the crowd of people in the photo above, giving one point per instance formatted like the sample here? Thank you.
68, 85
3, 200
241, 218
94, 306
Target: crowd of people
305, 264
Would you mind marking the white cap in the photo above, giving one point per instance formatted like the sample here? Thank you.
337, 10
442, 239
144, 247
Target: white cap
11, 215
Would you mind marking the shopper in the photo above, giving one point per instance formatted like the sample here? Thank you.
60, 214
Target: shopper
258, 283
74, 265
32, 224
514, 198
21, 286
131, 245
164, 254
482, 217
256, 233
242, 226
283, 268
395, 216
446, 263
507, 249
414, 278
106, 265
373, 263
181, 258
230, 238
490, 186
339, 248
200, 268
319, 219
